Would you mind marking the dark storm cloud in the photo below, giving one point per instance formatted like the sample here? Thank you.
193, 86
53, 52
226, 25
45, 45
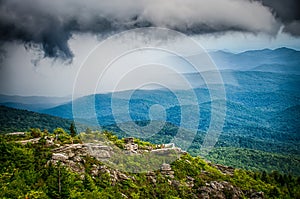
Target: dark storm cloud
49, 25
293, 28
287, 12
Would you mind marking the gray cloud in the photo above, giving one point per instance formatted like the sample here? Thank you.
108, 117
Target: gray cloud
293, 27
49, 25
287, 12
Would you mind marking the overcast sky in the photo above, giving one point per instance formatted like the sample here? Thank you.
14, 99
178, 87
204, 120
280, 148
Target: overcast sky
43, 43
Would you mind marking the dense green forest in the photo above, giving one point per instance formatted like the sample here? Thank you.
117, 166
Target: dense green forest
21, 120
14, 120
25, 172
255, 160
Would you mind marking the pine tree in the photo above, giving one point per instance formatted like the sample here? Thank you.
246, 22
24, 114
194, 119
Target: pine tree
88, 131
73, 130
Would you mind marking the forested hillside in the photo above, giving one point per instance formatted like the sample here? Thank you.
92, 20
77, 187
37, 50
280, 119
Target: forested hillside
44, 170
12, 120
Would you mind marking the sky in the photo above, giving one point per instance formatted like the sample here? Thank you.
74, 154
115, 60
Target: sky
43, 44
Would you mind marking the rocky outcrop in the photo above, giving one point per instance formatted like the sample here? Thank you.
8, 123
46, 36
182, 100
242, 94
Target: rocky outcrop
224, 190
99, 151
220, 190
257, 195
224, 169
167, 170
48, 140
74, 157
151, 176
130, 146
115, 175
34, 140
167, 151
17, 133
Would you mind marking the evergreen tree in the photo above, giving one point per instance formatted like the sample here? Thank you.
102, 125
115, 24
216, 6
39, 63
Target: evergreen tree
73, 130
88, 131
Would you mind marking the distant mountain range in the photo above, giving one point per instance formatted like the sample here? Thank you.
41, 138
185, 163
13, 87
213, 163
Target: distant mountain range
279, 60
258, 91
33, 103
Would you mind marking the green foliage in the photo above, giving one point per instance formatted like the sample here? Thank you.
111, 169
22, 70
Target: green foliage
14, 120
144, 145
26, 172
62, 136
35, 132
255, 160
